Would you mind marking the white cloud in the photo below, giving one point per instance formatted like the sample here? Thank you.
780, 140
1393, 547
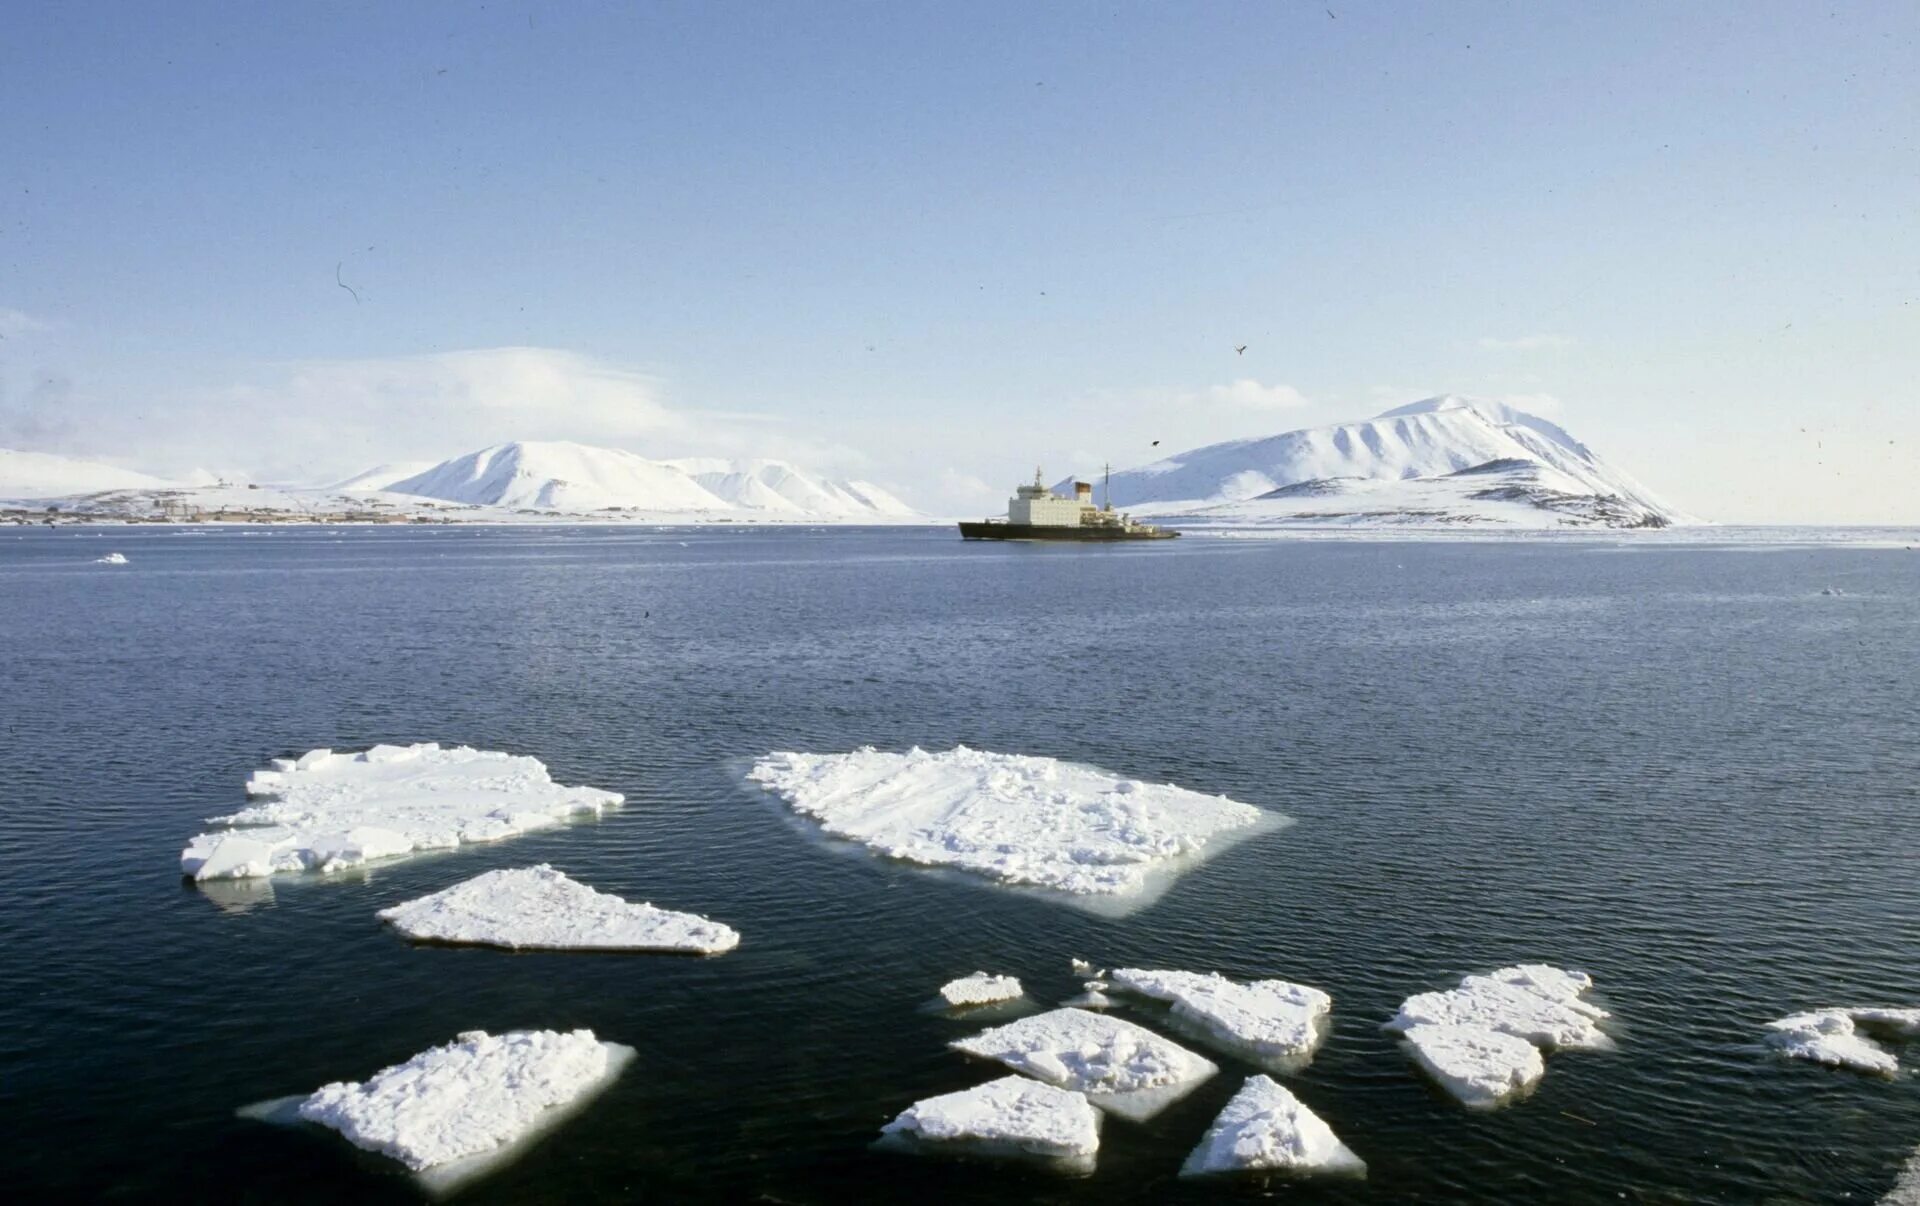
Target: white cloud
1544, 405
1248, 394
1528, 343
317, 420
15, 323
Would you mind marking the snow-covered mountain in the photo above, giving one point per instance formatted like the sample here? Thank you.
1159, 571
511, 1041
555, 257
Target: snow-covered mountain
1449, 460
45, 475
578, 478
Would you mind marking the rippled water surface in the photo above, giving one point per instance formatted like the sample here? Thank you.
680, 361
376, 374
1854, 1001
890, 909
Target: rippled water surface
1684, 769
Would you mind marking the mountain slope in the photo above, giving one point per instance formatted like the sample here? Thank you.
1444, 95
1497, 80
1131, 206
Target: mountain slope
45, 475
558, 476
1424, 441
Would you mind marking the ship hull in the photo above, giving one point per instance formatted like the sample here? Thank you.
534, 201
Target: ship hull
1084, 535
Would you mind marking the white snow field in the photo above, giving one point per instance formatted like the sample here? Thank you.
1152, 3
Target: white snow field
1470, 1039
539, 908
1271, 1020
1012, 1116
981, 989
1832, 1037
326, 812
1124, 1069
1015, 818
458, 1110
1444, 461
25, 475
1265, 1128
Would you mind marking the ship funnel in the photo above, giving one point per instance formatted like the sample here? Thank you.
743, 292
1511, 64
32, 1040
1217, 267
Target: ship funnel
1083, 491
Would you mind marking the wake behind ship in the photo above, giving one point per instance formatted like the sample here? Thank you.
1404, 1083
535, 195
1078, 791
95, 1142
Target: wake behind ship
1037, 513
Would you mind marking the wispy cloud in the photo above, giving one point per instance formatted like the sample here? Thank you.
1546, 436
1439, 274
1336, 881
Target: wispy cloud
318, 420
15, 323
1527, 343
1248, 394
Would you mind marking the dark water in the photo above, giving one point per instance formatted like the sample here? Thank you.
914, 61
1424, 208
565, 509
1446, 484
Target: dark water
1683, 769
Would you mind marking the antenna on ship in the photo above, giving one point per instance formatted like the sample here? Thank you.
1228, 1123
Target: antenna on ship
1109, 469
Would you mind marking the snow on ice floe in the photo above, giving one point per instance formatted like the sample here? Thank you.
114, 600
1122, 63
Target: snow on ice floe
111, 559
1832, 1037
1482, 1040
1269, 1020
1012, 1116
1015, 818
981, 989
539, 908
325, 811
1122, 1068
454, 1110
1265, 1128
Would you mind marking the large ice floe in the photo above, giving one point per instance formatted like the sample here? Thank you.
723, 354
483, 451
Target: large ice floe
1010, 1117
325, 811
1481, 1041
456, 1111
1832, 1037
1014, 818
539, 908
1124, 1069
981, 989
1265, 1128
1275, 1022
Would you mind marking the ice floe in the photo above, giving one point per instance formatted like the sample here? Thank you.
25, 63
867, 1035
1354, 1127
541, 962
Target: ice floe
1010, 817
1480, 1067
539, 908
325, 811
1271, 1020
479, 1096
1122, 1068
1266, 1128
1481, 1041
1831, 1037
111, 559
1012, 1116
980, 989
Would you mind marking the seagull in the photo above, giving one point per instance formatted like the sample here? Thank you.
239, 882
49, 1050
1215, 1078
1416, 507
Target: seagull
1156, 443
1241, 350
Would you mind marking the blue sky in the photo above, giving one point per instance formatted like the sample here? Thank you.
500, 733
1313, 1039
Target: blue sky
934, 244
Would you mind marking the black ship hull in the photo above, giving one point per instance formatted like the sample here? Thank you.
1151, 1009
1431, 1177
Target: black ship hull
995, 530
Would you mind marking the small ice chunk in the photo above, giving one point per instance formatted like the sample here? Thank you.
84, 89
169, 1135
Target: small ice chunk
111, 559
1018, 819
1827, 1036
539, 908
1082, 968
326, 811
1122, 1068
1265, 1127
980, 989
1012, 1116
467, 1098
1480, 1067
1533, 1001
1269, 1018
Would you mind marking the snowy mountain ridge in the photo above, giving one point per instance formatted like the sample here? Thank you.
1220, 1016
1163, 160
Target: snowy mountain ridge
48, 475
1448, 459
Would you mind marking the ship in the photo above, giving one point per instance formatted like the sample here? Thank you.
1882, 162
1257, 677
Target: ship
1037, 513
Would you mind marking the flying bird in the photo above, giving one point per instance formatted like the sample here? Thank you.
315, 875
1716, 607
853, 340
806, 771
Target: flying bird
1156, 443
1240, 350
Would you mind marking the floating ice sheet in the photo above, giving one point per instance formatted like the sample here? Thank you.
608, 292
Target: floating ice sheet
1012, 1116
980, 989
539, 908
1010, 817
1482, 1068
111, 559
1481, 1041
1122, 1068
1271, 1020
1831, 1037
326, 812
1266, 1128
447, 1110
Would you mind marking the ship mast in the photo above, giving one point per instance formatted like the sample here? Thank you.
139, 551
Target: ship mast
1109, 469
